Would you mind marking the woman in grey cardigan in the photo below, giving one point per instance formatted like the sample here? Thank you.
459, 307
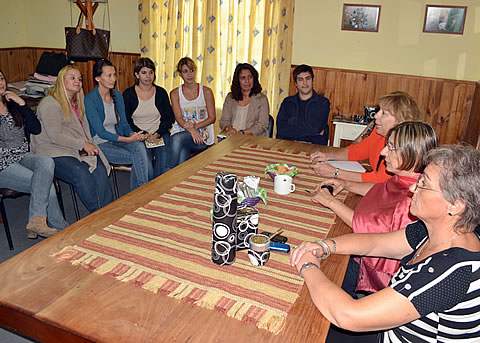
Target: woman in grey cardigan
245, 110
66, 138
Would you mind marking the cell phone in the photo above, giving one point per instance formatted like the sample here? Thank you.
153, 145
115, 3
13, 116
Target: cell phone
277, 238
329, 187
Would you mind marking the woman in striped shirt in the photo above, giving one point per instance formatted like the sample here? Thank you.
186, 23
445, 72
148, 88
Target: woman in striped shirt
435, 295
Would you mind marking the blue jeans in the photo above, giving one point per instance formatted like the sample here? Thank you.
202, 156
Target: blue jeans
181, 148
34, 175
160, 154
134, 153
93, 189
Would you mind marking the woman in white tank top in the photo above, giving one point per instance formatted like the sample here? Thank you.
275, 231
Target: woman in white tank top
194, 109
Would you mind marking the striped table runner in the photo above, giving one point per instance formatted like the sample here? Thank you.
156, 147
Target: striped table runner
165, 246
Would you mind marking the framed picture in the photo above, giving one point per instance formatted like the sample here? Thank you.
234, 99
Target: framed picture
358, 17
444, 19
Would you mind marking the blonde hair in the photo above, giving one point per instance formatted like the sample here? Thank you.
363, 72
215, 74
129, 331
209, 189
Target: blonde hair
186, 61
59, 93
402, 106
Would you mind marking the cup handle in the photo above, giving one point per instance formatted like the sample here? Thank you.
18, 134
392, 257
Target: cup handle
292, 188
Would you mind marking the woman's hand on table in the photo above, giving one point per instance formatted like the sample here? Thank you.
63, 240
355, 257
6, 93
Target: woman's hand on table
12, 96
337, 184
90, 149
197, 137
323, 197
305, 252
319, 156
323, 169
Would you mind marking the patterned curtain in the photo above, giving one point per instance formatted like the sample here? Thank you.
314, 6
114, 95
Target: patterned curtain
219, 34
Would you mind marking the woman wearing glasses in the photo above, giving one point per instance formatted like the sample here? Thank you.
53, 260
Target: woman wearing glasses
435, 295
384, 206
395, 108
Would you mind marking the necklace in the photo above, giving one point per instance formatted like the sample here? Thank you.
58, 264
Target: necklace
436, 245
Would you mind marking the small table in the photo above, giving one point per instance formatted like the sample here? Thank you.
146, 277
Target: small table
346, 129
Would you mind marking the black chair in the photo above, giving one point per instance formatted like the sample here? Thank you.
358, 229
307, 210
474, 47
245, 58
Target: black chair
114, 168
4, 194
58, 190
271, 124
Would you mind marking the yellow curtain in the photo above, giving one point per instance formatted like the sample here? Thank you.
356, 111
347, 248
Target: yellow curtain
218, 34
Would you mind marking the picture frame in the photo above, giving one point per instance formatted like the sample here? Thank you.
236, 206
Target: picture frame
359, 17
444, 19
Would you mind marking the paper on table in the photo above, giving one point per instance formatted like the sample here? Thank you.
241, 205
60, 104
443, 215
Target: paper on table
348, 165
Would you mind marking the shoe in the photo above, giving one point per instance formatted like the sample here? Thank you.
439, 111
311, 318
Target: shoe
37, 226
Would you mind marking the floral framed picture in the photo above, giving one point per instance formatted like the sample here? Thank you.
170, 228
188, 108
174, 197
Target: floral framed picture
444, 19
358, 17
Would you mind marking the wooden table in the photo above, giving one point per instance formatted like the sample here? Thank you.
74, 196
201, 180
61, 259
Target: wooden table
56, 302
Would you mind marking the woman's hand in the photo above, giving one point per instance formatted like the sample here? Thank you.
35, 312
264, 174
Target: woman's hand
319, 156
301, 252
12, 96
197, 137
137, 136
152, 138
90, 149
189, 125
323, 197
323, 169
231, 131
337, 184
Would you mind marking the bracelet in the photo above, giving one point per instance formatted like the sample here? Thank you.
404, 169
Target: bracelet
334, 245
335, 174
307, 265
325, 247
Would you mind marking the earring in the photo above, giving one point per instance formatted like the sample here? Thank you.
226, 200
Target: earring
450, 214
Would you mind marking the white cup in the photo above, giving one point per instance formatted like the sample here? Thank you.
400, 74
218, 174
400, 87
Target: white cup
283, 184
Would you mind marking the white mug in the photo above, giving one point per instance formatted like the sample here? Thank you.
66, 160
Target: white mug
283, 184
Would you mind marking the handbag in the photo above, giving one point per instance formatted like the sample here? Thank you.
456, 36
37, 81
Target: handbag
84, 45
51, 63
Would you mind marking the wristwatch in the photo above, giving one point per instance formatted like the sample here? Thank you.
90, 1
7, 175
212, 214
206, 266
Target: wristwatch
307, 265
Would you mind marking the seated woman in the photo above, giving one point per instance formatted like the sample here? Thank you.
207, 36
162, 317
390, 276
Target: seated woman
23, 171
66, 137
435, 295
384, 206
194, 108
395, 108
148, 109
105, 112
245, 109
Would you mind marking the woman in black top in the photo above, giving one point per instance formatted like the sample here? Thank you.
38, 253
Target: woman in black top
23, 171
148, 109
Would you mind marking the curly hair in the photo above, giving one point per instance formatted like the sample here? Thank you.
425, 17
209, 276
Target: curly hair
236, 89
459, 180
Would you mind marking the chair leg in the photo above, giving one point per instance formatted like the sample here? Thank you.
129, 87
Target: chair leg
5, 224
115, 184
58, 190
75, 203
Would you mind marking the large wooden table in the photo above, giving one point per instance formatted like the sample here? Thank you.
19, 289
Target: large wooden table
56, 302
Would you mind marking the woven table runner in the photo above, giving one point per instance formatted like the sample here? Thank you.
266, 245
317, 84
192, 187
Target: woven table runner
165, 246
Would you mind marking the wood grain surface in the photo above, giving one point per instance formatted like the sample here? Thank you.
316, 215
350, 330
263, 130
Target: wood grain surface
56, 302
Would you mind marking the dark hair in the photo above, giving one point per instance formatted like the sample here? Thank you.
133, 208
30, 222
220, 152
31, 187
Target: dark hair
98, 71
236, 89
303, 68
143, 62
459, 180
12, 106
413, 140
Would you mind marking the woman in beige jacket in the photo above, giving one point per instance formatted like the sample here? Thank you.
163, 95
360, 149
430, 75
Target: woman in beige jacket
245, 110
66, 138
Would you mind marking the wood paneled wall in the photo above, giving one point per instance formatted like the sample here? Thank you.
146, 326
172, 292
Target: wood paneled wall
452, 107
19, 63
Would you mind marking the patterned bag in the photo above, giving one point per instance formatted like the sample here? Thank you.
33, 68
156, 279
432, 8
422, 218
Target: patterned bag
83, 44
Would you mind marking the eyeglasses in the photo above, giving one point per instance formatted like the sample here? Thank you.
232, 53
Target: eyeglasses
391, 148
417, 185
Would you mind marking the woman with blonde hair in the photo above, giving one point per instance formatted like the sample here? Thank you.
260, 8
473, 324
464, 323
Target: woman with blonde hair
395, 108
66, 138
194, 109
